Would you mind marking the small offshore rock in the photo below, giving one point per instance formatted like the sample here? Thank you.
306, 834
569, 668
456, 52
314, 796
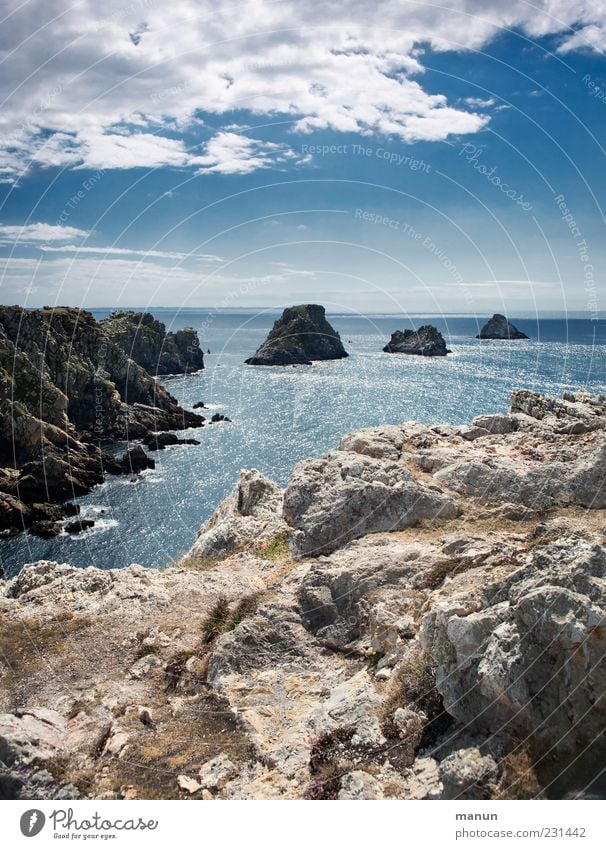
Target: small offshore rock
427, 341
79, 525
136, 460
498, 327
45, 529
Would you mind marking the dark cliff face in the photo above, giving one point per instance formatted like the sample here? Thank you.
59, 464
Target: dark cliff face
427, 341
85, 379
299, 337
144, 339
498, 327
64, 385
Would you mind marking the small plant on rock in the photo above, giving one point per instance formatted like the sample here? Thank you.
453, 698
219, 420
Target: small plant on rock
330, 758
175, 669
223, 618
275, 548
414, 686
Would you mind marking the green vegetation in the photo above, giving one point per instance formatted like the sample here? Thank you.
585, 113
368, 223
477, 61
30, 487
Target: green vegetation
149, 648
275, 549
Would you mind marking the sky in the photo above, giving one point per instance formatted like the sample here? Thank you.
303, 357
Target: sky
381, 156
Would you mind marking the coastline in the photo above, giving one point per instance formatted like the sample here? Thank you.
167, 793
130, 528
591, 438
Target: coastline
377, 636
281, 417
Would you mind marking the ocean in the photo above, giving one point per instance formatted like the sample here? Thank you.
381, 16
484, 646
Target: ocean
281, 415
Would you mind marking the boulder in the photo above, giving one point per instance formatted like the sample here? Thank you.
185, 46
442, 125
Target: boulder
160, 441
45, 529
359, 785
299, 337
13, 514
31, 735
249, 516
342, 496
497, 423
467, 774
216, 773
427, 341
188, 785
498, 327
521, 652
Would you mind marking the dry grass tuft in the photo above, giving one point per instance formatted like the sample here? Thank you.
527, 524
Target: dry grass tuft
414, 685
519, 779
224, 618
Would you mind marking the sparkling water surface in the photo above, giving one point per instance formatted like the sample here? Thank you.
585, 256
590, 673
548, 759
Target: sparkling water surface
281, 415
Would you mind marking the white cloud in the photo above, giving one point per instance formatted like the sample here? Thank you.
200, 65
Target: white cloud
592, 37
230, 153
116, 85
122, 282
112, 251
39, 233
479, 102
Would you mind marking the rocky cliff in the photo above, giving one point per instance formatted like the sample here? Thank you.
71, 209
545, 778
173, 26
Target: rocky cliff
299, 337
427, 341
144, 339
418, 615
498, 327
64, 386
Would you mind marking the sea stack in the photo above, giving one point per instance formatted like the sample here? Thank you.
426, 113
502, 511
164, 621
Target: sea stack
427, 341
498, 327
299, 337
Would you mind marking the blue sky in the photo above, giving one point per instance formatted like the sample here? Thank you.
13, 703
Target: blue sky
393, 156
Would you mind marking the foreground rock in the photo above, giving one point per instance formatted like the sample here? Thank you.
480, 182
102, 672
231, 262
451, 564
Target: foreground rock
64, 386
343, 495
524, 648
299, 337
250, 516
427, 341
443, 638
144, 339
498, 327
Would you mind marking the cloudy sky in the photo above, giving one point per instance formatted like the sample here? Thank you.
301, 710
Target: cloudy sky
385, 156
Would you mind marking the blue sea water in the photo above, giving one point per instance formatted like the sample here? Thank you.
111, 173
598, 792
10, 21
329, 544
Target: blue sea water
281, 415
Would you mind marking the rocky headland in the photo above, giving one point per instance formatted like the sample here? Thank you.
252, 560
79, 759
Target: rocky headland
65, 386
144, 339
419, 614
498, 327
427, 341
300, 336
